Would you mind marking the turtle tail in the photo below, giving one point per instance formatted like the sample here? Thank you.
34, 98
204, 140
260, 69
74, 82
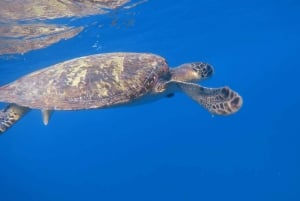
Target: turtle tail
10, 115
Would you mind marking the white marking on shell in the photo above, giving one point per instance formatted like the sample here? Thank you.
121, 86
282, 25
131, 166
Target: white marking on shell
118, 63
75, 76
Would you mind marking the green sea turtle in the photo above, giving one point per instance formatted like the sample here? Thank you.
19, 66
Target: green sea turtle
109, 80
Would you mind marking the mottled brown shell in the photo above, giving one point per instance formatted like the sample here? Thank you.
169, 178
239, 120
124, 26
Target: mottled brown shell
94, 81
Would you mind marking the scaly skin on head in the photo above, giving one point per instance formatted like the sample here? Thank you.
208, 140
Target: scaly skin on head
192, 72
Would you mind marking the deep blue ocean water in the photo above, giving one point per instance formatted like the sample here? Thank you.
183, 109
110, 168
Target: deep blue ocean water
171, 149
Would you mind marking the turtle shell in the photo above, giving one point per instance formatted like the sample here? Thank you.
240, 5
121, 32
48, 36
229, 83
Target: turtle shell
95, 81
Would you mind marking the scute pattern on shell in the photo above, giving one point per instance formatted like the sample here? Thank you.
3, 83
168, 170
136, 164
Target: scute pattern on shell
94, 81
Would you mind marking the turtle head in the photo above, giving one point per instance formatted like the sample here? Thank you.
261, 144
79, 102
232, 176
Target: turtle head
192, 72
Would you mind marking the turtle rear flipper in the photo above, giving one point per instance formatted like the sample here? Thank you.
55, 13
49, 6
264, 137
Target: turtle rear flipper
10, 115
221, 101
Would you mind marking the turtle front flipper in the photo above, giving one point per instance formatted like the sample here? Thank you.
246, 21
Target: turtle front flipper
221, 101
10, 115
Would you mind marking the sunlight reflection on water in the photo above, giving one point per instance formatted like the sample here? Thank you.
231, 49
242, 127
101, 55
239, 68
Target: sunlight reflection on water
28, 25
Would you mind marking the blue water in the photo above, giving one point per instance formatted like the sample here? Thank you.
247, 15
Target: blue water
171, 149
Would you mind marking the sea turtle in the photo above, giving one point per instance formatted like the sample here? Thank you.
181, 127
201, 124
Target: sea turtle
109, 80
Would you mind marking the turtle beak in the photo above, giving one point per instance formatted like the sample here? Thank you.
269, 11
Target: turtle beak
210, 70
